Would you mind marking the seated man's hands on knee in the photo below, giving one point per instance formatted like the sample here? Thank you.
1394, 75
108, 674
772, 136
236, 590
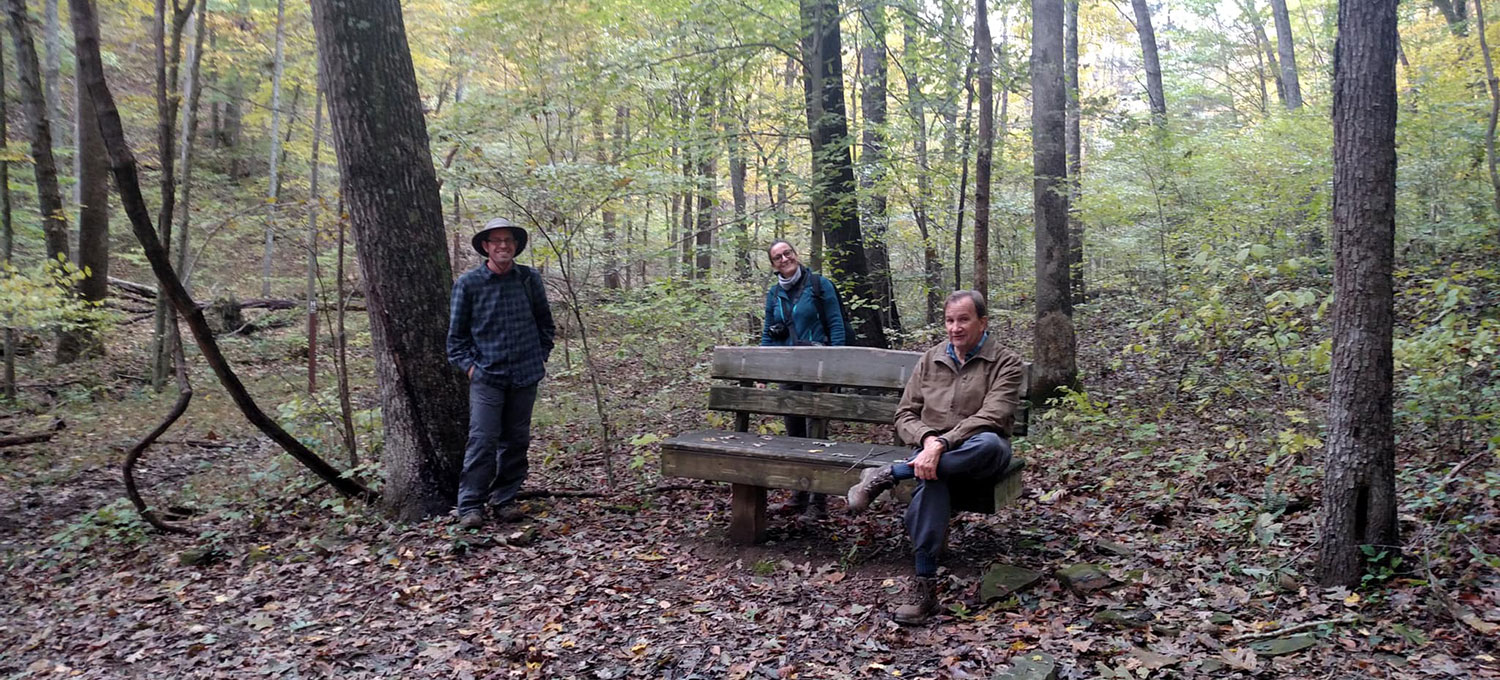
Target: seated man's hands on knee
926, 463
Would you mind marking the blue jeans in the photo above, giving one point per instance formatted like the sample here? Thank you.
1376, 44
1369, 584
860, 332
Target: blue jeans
495, 462
980, 457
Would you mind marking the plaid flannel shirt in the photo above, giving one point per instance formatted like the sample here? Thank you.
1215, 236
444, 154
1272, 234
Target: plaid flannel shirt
499, 327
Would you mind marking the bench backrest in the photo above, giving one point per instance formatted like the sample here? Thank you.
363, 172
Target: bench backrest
871, 381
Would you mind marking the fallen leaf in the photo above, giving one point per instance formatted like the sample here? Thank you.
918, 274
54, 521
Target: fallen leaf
1241, 658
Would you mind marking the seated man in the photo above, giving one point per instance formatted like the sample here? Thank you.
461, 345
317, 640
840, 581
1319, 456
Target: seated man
958, 408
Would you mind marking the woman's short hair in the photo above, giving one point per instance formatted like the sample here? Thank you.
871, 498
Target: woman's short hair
778, 242
978, 298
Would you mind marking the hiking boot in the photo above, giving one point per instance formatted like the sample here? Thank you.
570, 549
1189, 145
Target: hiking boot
921, 602
872, 483
473, 519
510, 512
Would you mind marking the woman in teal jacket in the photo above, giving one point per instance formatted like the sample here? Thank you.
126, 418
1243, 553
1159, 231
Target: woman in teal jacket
802, 308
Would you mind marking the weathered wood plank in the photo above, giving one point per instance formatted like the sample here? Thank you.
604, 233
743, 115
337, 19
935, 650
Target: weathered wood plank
821, 475
776, 447
747, 514
858, 407
789, 463
846, 366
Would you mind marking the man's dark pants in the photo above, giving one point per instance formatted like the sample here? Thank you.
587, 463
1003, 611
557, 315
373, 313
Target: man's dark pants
980, 457
495, 462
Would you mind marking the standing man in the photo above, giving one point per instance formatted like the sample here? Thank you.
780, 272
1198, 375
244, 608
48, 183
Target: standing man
958, 409
500, 332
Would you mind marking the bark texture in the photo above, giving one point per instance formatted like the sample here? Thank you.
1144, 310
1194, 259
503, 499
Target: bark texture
391, 191
29, 72
1054, 353
93, 222
916, 105
873, 159
1147, 33
1258, 24
833, 196
984, 157
1288, 53
1359, 485
1075, 149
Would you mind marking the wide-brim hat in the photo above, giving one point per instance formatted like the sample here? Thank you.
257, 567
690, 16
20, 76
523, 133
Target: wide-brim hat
499, 223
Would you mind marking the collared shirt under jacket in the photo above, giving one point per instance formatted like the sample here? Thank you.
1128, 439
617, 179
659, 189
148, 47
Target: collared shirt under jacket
501, 325
959, 402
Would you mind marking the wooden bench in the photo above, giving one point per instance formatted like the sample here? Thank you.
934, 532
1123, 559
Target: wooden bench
869, 381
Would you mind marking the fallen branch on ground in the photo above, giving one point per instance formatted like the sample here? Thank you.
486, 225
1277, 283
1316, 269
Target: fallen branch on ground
32, 438
1284, 630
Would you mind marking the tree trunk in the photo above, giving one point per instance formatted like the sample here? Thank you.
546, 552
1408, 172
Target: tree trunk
985, 50
689, 151
391, 190
1287, 52
1054, 353
675, 198
916, 103
708, 156
52, 67
1258, 24
1494, 88
736, 140
166, 125
314, 203
93, 221
1075, 150
963, 180
783, 162
7, 233
1454, 14
1002, 134
1147, 33
873, 161
611, 235
1359, 486
193, 91
49, 196
833, 191
278, 66
812, 96
606, 211
233, 127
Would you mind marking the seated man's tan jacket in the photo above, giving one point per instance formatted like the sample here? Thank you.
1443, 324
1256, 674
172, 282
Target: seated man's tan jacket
957, 403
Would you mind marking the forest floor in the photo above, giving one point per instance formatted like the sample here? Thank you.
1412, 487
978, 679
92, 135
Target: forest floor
1208, 543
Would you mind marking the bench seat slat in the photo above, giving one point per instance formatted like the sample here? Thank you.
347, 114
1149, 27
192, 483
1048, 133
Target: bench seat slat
807, 465
857, 407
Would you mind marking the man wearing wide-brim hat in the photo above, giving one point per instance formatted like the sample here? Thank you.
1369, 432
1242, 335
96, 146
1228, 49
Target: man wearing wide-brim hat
500, 333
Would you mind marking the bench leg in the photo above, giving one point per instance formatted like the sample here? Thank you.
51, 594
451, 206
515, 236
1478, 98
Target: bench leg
747, 519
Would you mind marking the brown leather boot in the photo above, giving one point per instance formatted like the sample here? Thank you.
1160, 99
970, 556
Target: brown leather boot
872, 483
921, 602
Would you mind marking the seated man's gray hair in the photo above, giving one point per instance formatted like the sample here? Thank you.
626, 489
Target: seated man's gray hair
976, 296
